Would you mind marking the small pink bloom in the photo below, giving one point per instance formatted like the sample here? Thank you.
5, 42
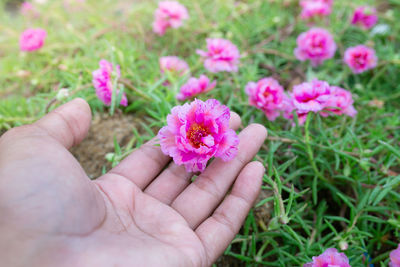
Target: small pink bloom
169, 14
331, 257
28, 10
395, 257
365, 16
311, 97
267, 94
360, 58
315, 8
194, 87
288, 108
103, 82
222, 55
174, 65
32, 39
196, 132
340, 102
315, 45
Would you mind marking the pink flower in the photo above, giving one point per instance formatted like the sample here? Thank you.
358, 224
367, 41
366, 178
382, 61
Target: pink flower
315, 45
103, 82
32, 39
222, 55
28, 10
395, 257
194, 87
331, 257
311, 96
267, 94
196, 132
340, 102
360, 58
169, 14
174, 65
365, 16
288, 108
313, 8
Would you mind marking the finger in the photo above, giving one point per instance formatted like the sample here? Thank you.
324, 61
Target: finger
68, 124
219, 230
201, 197
142, 165
174, 179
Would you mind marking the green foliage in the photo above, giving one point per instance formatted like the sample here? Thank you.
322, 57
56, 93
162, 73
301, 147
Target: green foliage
334, 181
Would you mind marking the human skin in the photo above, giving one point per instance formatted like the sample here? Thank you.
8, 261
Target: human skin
144, 212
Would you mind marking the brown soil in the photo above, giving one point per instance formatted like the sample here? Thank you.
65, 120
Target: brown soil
100, 141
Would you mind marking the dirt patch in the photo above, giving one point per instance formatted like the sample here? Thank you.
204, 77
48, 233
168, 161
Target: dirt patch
100, 141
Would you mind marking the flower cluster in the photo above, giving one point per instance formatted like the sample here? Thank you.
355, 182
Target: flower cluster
360, 58
103, 81
169, 14
331, 257
196, 132
221, 55
315, 45
315, 8
315, 96
318, 45
32, 39
365, 17
195, 86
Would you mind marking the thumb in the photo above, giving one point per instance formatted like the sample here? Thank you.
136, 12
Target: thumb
68, 124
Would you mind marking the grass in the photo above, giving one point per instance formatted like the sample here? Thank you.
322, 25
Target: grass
332, 182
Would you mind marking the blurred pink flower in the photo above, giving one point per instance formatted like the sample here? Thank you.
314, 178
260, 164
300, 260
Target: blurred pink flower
173, 65
222, 55
311, 96
315, 45
360, 58
267, 94
196, 132
331, 257
288, 108
195, 86
169, 14
339, 102
32, 39
28, 9
313, 8
103, 82
365, 16
395, 257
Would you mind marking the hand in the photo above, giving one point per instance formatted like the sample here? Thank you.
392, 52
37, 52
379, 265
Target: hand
138, 214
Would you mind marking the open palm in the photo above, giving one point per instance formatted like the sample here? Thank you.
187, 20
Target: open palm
141, 213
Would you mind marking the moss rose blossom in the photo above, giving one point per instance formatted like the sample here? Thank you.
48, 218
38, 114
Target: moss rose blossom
196, 132
331, 257
195, 86
360, 58
315, 8
221, 55
169, 14
395, 257
103, 82
266, 94
365, 16
32, 39
174, 65
316, 45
